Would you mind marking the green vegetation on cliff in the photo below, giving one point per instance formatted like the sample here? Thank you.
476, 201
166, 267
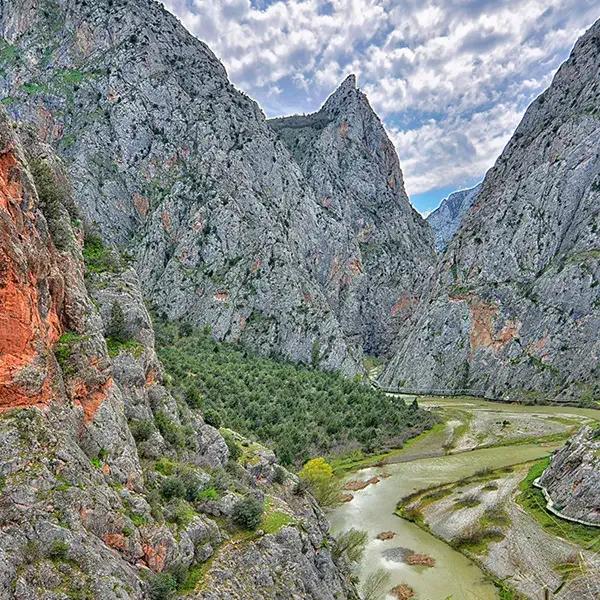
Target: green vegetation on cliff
299, 410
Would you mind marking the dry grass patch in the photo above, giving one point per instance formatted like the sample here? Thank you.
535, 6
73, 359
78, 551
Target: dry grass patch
468, 501
422, 560
402, 592
477, 538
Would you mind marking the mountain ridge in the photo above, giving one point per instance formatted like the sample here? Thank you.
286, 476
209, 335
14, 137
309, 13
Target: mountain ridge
446, 218
178, 168
513, 306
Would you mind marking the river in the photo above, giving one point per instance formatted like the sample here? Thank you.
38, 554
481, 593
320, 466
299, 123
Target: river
372, 508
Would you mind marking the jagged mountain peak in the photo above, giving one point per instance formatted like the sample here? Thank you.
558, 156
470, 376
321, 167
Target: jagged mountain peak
343, 91
351, 164
347, 101
516, 293
172, 163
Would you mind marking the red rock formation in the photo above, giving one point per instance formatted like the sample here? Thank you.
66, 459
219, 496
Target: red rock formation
41, 290
31, 290
483, 333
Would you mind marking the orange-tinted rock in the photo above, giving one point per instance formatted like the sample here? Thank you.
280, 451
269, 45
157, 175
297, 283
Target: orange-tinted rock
402, 592
31, 291
422, 560
483, 333
89, 396
355, 266
141, 204
115, 540
155, 556
406, 301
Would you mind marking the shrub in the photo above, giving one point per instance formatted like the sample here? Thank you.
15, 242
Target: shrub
209, 493
279, 475
165, 466
172, 487
375, 585
235, 452
141, 430
185, 329
194, 398
58, 550
192, 482
116, 325
247, 513
351, 544
65, 348
212, 418
172, 433
98, 258
221, 480
180, 513
318, 475
54, 199
162, 586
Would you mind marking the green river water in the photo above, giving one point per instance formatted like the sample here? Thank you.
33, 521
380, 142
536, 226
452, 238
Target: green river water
372, 510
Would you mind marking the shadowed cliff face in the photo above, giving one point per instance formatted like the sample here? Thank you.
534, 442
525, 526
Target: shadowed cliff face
514, 307
169, 160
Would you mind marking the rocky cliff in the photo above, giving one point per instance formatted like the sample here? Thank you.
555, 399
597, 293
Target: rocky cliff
382, 247
446, 219
514, 307
572, 480
173, 163
111, 487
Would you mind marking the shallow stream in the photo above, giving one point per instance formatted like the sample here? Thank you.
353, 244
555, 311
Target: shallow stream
372, 510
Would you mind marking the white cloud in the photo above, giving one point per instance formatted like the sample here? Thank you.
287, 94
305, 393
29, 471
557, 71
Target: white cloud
450, 78
453, 150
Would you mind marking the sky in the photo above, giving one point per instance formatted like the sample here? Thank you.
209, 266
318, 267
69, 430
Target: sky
450, 79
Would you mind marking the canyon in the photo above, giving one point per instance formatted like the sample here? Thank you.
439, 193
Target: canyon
148, 206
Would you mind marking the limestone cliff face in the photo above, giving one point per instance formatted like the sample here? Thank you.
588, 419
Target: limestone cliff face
573, 478
381, 248
446, 219
514, 307
31, 286
85, 415
173, 163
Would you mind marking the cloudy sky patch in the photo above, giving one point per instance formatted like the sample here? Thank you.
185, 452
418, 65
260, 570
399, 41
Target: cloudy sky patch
450, 79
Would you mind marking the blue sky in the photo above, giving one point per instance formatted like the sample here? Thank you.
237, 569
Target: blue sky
450, 79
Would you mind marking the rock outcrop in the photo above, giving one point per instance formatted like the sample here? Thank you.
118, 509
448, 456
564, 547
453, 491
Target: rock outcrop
102, 469
381, 250
171, 162
572, 481
513, 310
447, 217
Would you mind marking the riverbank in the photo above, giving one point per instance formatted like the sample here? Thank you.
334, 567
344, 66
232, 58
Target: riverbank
448, 454
466, 424
494, 518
